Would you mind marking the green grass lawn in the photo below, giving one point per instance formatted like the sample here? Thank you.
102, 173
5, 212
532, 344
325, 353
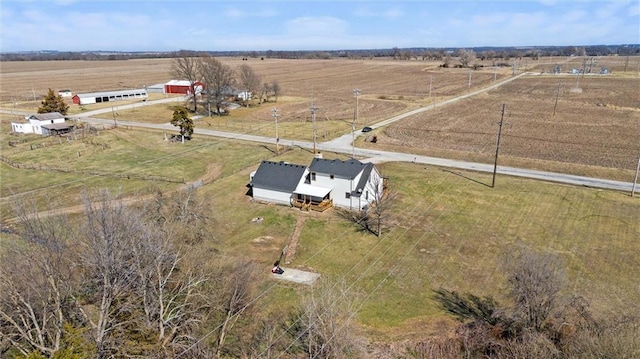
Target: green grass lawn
445, 229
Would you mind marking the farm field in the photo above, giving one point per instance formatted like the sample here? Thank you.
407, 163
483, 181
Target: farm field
445, 228
593, 131
597, 127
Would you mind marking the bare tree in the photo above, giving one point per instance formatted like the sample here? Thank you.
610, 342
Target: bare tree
35, 278
268, 338
525, 330
275, 88
264, 93
110, 235
218, 79
447, 61
235, 289
326, 328
170, 293
249, 80
186, 214
535, 281
185, 67
132, 267
466, 57
382, 201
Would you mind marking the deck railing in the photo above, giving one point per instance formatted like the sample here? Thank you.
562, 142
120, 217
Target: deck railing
314, 206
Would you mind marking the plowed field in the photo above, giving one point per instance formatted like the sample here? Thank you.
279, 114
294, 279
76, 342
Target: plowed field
555, 120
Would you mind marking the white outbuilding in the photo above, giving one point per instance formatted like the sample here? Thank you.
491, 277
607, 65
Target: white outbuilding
42, 124
109, 96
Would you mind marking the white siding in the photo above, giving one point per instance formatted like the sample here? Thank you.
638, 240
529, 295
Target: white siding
22, 127
34, 125
260, 194
341, 186
370, 192
87, 100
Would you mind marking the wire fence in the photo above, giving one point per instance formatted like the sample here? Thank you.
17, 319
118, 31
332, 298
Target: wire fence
133, 176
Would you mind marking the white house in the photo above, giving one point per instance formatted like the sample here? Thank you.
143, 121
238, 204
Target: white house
355, 185
244, 95
42, 124
348, 184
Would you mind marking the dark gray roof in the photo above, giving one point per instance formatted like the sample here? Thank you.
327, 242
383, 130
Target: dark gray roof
58, 126
363, 180
279, 176
47, 116
345, 169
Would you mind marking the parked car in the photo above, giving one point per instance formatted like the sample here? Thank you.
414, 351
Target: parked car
367, 129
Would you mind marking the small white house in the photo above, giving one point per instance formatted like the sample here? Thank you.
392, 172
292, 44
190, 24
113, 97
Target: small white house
65, 93
42, 124
244, 95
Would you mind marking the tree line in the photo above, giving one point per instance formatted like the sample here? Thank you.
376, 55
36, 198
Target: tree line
123, 280
416, 53
220, 81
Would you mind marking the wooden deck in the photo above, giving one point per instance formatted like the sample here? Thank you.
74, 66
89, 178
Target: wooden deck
314, 206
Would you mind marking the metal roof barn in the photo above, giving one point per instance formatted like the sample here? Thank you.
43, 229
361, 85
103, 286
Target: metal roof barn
182, 87
109, 96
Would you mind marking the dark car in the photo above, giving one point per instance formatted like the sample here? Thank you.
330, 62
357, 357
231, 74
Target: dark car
367, 129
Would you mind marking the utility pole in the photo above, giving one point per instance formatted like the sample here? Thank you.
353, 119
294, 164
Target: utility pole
115, 124
635, 179
430, 85
495, 162
469, 87
274, 113
557, 94
435, 97
315, 129
356, 92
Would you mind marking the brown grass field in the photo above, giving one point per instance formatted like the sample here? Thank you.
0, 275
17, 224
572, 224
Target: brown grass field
594, 130
446, 228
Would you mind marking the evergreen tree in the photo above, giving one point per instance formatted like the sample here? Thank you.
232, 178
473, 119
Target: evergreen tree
53, 103
181, 119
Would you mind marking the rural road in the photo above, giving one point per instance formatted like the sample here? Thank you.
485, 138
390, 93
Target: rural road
343, 144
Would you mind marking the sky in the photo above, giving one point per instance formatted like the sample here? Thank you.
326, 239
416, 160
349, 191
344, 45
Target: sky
279, 25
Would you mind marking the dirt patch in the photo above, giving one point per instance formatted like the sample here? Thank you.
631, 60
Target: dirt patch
263, 240
293, 244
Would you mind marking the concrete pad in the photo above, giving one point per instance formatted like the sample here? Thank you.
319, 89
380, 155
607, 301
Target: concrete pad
297, 276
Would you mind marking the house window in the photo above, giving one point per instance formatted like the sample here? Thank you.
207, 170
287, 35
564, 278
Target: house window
313, 176
331, 176
347, 195
366, 195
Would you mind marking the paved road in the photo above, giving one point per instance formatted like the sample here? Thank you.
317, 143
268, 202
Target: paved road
343, 144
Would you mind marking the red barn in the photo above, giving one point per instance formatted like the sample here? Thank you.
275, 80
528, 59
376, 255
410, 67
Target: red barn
182, 87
